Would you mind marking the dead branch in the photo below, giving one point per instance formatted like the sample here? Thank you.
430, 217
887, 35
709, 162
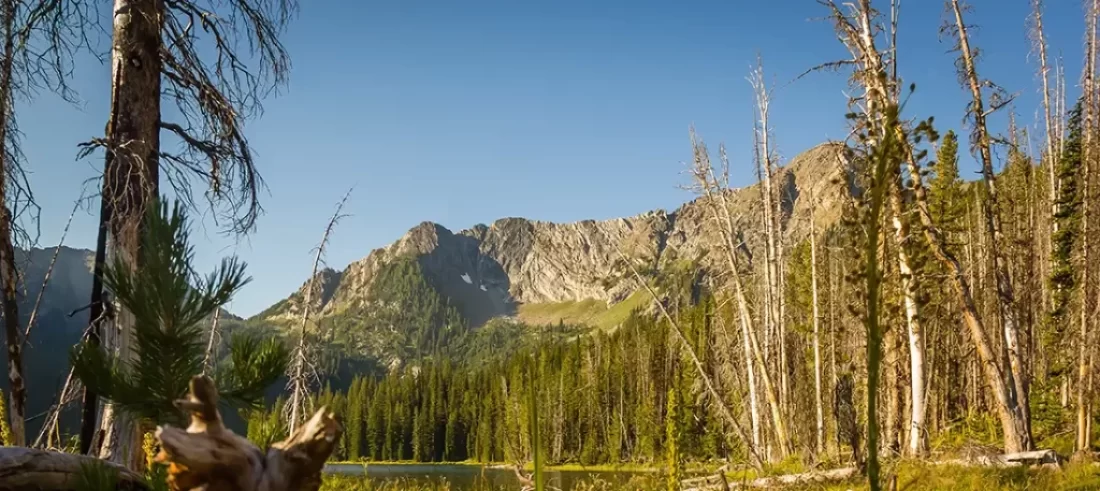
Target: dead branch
49, 272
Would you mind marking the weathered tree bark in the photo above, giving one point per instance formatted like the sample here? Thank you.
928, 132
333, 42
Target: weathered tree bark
912, 319
772, 270
818, 404
720, 210
1084, 438
1050, 154
1016, 377
131, 174
8, 272
209, 457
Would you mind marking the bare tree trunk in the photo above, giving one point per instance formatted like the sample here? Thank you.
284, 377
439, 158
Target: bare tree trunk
1050, 153
818, 405
299, 383
1016, 376
131, 173
1084, 442
210, 356
723, 409
912, 320
8, 272
716, 198
771, 222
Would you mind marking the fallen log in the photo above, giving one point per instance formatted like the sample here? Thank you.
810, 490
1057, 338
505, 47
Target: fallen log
28, 469
719, 482
207, 456
1036, 457
831, 475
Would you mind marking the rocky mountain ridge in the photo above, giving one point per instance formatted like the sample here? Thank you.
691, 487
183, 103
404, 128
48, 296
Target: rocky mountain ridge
489, 270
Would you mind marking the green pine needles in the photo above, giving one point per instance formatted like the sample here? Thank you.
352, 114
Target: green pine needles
170, 305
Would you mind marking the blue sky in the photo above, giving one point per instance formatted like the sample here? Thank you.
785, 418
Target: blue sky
560, 111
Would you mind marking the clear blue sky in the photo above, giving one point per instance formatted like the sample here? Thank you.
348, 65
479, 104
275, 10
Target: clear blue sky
465, 112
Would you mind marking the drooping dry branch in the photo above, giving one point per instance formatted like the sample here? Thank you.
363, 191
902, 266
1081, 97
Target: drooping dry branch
298, 383
216, 94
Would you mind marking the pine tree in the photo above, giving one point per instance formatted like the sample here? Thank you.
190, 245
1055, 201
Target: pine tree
672, 440
168, 312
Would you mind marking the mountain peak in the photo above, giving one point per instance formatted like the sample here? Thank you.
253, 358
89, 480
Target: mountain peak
489, 270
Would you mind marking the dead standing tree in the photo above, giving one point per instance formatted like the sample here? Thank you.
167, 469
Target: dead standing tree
156, 58
982, 142
300, 370
855, 31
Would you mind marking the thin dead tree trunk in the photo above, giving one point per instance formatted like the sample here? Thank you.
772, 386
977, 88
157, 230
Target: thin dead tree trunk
723, 408
771, 222
49, 273
1084, 440
1006, 302
818, 404
715, 194
1050, 154
300, 365
210, 356
912, 319
8, 272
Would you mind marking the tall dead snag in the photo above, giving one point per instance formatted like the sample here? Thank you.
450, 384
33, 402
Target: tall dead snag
300, 368
906, 271
1050, 155
8, 272
1084, 436
715, 192
209, 456
765, 156
980, 140
818, 404
705, 179
156, 57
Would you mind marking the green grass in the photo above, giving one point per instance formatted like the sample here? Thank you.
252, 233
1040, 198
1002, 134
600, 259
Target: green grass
917, 476
591, 312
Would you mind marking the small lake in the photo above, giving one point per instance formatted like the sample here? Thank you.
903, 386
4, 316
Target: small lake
467, 477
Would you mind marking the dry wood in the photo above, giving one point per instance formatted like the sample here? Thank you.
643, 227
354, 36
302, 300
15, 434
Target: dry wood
209, 457
1084, 436
25, 469
719, 402
1016, 377
719, 206
299, 383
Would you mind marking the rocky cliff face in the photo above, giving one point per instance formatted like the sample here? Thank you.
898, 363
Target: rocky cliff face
488, 270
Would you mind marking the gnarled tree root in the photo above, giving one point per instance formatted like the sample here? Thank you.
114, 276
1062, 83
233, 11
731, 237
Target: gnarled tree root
207, 456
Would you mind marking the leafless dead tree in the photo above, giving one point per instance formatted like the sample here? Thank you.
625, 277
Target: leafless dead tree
300, 372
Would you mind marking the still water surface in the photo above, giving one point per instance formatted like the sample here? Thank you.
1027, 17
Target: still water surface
467, 477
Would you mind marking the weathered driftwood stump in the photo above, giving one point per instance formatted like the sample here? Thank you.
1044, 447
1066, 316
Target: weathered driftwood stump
209, 457
28, 469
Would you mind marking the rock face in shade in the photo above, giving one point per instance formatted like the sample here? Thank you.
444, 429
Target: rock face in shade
488, 270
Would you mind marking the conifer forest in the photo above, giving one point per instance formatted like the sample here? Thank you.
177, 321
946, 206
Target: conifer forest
915, 305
